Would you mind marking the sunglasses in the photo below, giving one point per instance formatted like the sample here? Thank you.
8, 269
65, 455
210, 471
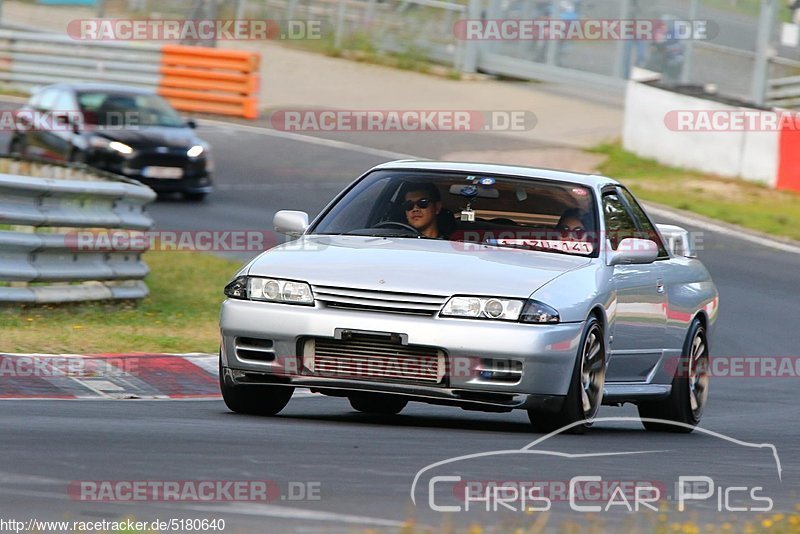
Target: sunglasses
422, 203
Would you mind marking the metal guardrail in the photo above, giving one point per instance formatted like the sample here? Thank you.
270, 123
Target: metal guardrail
31, 59
784, 92
43, 207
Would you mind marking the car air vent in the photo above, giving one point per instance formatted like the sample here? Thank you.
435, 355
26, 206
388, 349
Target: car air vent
250, 348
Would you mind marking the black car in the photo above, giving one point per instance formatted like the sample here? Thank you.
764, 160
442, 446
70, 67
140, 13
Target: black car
124, 130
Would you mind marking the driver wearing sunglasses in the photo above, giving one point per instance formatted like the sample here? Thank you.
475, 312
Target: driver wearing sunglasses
422, 204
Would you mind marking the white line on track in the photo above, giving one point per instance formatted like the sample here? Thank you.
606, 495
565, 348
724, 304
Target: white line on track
728, 230
286, 512
247, 509
330, 143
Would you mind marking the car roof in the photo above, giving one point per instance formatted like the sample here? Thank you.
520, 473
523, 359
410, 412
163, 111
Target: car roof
89, 86
588, 180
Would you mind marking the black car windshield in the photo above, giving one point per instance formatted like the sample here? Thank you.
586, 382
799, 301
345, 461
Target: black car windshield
104, 108
493, 210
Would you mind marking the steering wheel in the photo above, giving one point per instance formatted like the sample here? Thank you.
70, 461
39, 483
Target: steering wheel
404, 226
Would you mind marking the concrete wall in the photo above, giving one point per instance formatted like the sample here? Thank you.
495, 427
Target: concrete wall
650, 130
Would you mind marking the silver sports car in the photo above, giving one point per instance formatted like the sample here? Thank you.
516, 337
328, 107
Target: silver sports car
486, 287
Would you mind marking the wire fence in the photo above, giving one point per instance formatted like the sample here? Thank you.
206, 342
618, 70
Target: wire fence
728, 60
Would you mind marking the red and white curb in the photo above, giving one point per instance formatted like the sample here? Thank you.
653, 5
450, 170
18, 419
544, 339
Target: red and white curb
111, 376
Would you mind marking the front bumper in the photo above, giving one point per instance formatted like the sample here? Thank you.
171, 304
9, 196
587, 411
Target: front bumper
547, 353
196, 175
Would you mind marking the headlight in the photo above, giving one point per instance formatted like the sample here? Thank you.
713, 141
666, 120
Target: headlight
538, 312
503, 309
270, 290
195, 151
102, 142
483, 308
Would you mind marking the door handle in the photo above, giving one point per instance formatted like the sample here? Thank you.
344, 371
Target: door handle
660, 285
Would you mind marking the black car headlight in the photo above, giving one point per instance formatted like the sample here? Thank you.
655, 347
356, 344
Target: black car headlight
501, 309
195, 151
270, 290
104, 143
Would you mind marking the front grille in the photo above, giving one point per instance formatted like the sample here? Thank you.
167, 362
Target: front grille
172, 158
368, 358
381, 301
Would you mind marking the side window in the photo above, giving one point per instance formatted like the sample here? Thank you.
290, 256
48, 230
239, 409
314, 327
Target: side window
648, 230
47, 100
619, 223
64, 101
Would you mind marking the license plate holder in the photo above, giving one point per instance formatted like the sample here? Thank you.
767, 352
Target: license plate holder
167, 173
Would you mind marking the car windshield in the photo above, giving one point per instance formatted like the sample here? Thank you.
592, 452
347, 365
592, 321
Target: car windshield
489, 210
103, 108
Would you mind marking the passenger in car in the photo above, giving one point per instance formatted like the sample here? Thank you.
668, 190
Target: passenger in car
572, 220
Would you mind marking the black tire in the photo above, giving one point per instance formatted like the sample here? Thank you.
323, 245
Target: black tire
588, 381
687, 399
254, 399
377, 403
16, 148
76, 156
195, 197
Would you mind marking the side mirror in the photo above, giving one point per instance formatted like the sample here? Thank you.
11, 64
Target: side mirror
678, 240
633, 251
191, 123
292, 223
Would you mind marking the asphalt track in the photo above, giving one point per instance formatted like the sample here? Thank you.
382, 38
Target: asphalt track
364, 466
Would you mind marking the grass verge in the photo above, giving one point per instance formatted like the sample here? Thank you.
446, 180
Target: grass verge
740, 202
180, 315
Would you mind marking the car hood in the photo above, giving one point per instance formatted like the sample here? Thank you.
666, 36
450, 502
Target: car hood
153, 136
422, 266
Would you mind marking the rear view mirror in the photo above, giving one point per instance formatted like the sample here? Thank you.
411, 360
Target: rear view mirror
474, 191
291, 223
633, 251
191, 123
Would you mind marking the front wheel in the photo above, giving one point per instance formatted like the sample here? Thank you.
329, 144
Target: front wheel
687, 399
377, 404
586, 388
16, 148
253, 399
77, 157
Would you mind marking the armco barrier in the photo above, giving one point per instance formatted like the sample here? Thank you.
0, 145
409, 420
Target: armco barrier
42, 205
192, 78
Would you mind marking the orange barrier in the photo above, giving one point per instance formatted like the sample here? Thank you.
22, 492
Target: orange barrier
789, 159
210, 80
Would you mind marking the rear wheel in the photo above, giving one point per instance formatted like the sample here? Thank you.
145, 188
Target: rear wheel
195, 197
687, 399
377, 403
253, 399
586, 388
